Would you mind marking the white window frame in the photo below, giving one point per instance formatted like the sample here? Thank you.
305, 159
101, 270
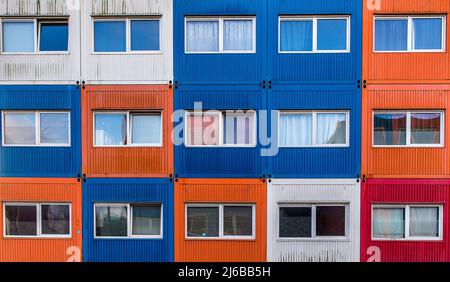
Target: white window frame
221, 220
220, 114
129, 139
314, 129
220, 20
37, 134
314, 236
410, 36
38, 207
129, 207
314, 19
407, 207
408, 129
127, 21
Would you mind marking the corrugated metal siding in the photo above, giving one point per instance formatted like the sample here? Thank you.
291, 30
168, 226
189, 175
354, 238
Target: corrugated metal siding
42, 161
308, 191
41, 190
128, 68
404, 162
220, 191
127, 191
43, 68
318, 162
382, 191
127, 161
409, 67
315, 68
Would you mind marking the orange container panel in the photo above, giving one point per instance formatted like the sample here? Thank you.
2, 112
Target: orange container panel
235, 191
28, 190
405, 162
404, 67
127, 161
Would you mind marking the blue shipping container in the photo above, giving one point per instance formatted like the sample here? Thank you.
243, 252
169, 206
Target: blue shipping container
137, 191
41, 161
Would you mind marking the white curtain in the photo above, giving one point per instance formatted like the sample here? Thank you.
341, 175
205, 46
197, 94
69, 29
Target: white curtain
238, 35
295, 129
331, 128
427, 34
239, 129
423, 222
389, 223
202, 36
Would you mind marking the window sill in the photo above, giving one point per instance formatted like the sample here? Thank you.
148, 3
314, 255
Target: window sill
312, 240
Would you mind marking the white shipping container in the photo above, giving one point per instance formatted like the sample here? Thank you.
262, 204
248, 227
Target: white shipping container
307, 192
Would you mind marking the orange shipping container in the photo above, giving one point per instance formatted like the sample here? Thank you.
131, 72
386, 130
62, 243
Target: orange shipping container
127, 161
404, 67
41, 191
220, 191
401, 161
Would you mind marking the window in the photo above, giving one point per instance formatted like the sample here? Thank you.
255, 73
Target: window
227, 128
220, 35
36, 128
314, 34
220, 221
414, 129
409, 34
128, 129
37, 220
415, 222
127, 35
35, 35
312, 221
313, 129
128, 220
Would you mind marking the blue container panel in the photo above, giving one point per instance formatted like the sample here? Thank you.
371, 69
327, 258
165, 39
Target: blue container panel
42, 161
127, 191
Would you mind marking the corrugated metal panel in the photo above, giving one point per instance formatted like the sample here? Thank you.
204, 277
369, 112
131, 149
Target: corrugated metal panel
136, 68
315, 68
220, 68
383, 191
127, 191
42, 161
404, 162
318, 162
409, 67
220, 191
43, 68
38, 191
131, 161
309, 191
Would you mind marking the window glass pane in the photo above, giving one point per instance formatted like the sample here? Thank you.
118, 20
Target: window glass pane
203, 129
391, 35
145, 35
20, 128
331, 34
238, 129
295, 222
202, 36
389, 223
146, 220
21, 220
110, 36
331, 128
238, 35
295, 129
330, 221
425, 128
55, 219
296, 35
111, 221
54, 128
202, 222
146, 128
110, 129
238, 221
427, 34
18, 37
54, 37
424, 222
390, 129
